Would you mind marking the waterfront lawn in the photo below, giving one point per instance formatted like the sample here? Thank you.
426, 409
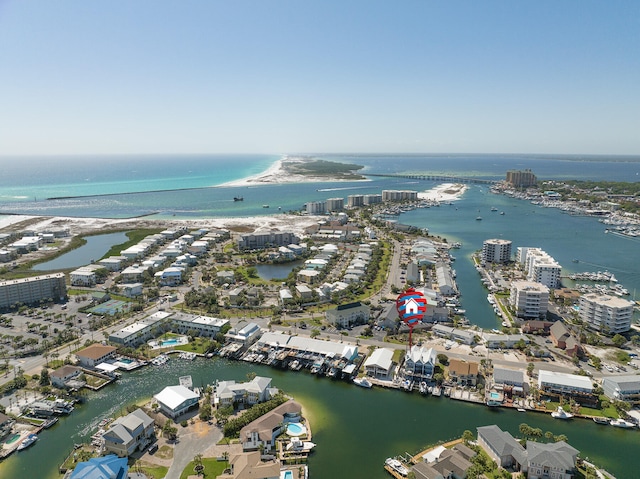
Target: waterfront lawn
212, 468
94, 381
198, 345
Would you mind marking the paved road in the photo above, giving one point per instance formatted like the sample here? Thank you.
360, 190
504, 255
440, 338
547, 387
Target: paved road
197, 440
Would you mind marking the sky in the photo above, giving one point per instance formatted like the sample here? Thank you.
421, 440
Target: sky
325, 76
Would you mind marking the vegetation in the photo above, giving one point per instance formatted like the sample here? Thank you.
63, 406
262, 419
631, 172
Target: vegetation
211, 468
233, 426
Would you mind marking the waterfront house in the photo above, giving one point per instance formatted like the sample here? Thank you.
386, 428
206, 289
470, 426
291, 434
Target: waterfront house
444, 278
105, 467
264, 430
176, 400
556, 460
622, 388
380, 363
61, 376
448, 463
129, 433
6, 425
206, 326
228, 393
246, 335
502, 447
463, 373
562, 384
95, 354
251, 465
510, 379
419, 363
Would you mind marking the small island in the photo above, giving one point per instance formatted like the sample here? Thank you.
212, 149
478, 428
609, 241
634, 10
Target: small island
318, 169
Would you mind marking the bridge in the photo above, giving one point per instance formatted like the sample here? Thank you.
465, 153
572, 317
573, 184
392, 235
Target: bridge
426, 177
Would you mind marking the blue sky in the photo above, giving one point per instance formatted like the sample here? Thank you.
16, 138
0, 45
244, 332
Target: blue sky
265, 76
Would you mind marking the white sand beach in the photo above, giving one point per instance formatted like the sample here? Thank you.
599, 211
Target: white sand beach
444, 192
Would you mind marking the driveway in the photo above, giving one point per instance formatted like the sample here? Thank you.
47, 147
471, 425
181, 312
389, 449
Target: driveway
192, 440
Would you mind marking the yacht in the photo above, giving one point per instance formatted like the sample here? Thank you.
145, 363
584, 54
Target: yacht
396, 466
560, 413
363, 382
622, 423
478, 218
493, 208
31, 438
601, 420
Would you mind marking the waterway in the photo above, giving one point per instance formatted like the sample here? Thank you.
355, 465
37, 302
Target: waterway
355, 429
94, 249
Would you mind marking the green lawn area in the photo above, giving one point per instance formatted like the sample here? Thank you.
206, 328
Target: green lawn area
212, 468
200, 346
152, 471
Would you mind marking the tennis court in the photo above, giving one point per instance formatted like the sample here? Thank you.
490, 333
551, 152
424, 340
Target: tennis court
111, 307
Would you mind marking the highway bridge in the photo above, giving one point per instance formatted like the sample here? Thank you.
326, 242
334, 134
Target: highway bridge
426, 177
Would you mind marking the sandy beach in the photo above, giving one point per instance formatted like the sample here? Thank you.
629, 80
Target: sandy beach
444, 192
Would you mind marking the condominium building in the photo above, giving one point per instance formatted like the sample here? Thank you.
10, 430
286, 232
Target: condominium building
372, 199
267, 240
521, 179
316, 207
607, 314
335, 204
32, 290
496, 251
399, 195
529, 299
355, 200
539, 266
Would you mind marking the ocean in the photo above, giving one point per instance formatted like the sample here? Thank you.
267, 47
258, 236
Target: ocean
188, 186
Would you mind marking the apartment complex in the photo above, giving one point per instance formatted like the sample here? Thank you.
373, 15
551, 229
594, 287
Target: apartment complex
529, 300
496, 251
539, 266
399, 195
32, 290
521, 178
605, 313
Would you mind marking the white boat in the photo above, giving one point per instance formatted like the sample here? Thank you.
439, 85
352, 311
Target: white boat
521, 409
297, 445
31, 438
560, 413
622, 423
363, 382
396, 466
478, 218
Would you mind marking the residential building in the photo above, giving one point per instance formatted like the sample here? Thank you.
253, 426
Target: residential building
419, 363
199, 325
564, 384
354, 201
103, 467
84, 276
6, 425
129, 433
521, 178
32, 290
379, 364
504, 341
176, 400
335, 204
502, 447
316, 207
563, 339
529, 300
328, 349
227, 393
134, 273
140, 331
605, 313
372, 199
246, 335
267, 240
496, 251
346, 315
95, 354
622, 388
250, 465
539, 266
223, 277
399, 195
461, 335
554, 460
264, 430
61, 376
463, 373
509, 378
450, 463
445, 281
131, 290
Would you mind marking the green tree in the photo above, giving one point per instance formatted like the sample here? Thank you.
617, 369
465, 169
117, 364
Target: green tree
44, 377
619, 340
467, 436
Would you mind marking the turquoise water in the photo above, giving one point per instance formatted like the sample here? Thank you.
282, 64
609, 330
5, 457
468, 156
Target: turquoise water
288, 475
494, 395
295, 429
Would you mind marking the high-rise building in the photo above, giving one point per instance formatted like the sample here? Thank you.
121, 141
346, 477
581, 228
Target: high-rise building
355, 200
335, 204
496, 251
316, 207
32, 290
529, 300
539, 266
607, 314
521, 179
399, 195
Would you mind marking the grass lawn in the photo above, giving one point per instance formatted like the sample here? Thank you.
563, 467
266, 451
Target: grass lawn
94, 381
212, 468
200, 346
152, 471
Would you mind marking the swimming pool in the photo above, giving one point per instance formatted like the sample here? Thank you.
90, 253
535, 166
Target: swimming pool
286, 475
296, 429
12, 439
167, 343
493, 395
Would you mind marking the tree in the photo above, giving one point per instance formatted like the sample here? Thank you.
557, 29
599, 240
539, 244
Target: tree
619, 340
467, 436
44, 377
530, 368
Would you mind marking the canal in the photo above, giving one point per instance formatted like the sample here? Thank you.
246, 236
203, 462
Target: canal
355, 428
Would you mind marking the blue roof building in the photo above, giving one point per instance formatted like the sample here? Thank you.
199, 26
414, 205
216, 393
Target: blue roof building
107, 467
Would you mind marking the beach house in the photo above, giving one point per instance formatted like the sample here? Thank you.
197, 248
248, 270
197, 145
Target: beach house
129, 433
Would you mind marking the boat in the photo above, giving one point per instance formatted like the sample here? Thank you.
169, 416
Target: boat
601, 420
296, 445
265, 206
502, 212
238, 198
521, 409
362, 382
478, 218
49, 422
31, 438
396, 466
622, 423
493, 208
423, 387
560, 413
505, 324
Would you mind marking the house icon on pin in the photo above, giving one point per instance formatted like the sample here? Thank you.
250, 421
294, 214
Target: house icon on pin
411, 307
